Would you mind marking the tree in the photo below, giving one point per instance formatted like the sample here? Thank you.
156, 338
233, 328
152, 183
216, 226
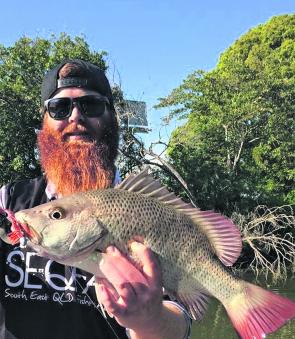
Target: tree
22, 67
236, 149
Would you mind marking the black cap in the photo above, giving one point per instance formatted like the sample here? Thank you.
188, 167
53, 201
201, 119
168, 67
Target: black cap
90, 77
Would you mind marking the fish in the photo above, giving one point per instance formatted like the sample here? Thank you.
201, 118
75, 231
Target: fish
195, 248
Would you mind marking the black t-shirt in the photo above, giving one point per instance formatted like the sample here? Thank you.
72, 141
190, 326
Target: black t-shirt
41, 299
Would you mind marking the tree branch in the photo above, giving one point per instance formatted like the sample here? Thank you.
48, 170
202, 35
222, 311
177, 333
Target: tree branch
161, 163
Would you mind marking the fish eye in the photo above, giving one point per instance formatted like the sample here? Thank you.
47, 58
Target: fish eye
57, 214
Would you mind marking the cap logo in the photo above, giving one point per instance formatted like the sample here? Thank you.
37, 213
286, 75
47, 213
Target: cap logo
72, 82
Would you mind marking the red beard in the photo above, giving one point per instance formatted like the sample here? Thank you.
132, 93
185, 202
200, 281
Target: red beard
76, 166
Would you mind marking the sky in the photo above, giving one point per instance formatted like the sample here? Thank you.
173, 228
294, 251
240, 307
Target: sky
152, 45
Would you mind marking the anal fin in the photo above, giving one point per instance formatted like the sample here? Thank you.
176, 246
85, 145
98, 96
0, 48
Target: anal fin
195, 303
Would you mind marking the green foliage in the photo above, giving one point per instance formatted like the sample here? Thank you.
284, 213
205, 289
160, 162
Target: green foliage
236, 149
22, 67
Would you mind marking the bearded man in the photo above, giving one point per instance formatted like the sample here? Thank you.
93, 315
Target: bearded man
42, 299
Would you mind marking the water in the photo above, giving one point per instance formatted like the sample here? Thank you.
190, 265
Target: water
216, 324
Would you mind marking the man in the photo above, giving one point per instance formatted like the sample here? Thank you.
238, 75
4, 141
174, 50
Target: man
42, 299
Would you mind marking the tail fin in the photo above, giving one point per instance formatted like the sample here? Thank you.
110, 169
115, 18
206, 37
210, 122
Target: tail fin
258, 312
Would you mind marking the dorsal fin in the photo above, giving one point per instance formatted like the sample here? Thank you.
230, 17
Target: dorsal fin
223, 235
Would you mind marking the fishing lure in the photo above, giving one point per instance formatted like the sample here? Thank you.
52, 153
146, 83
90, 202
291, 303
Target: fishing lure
18, 232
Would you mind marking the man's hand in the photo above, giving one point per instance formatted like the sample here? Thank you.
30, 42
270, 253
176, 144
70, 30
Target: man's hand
132, 296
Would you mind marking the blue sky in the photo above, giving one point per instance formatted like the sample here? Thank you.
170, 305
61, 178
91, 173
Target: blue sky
152, 45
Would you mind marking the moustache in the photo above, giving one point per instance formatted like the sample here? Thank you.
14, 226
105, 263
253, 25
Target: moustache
77, 130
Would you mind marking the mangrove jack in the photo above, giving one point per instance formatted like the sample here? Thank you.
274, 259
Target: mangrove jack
193, 247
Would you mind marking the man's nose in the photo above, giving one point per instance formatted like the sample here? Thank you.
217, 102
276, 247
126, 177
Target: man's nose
76, 115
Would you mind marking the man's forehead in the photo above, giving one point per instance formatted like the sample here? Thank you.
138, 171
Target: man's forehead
73, 92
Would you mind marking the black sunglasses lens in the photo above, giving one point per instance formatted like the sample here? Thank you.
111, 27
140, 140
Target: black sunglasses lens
59, 108
92, 106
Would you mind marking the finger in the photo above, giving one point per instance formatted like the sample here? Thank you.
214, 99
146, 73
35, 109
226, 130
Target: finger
108, 285
100, 295
128, 294
119, 270
123, 290
112, 306
150, 265
128, 281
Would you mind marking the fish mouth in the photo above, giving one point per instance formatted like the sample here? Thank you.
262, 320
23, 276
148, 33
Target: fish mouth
17, 229
28, 231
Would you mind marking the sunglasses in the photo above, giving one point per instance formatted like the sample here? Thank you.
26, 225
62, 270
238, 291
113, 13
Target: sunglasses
91, 106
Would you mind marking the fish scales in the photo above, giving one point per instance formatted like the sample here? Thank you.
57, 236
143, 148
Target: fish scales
170, 234
194, 247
